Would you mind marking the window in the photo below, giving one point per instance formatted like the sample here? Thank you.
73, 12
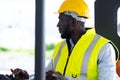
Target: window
118, 21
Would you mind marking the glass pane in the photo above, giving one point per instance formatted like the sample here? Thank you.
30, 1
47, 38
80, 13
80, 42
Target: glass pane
118, 21
17, 24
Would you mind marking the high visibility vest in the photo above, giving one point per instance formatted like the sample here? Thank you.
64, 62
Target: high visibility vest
83, 58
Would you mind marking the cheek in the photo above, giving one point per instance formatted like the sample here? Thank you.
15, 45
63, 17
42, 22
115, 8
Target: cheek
81, 29
67, 30
65, 26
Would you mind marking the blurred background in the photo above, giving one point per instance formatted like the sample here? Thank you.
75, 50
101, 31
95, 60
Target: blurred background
17, 32
17, 35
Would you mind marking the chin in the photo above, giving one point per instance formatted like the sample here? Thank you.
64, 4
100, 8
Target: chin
63, 36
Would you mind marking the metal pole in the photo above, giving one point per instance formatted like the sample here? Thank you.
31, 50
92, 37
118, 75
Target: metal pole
39, 42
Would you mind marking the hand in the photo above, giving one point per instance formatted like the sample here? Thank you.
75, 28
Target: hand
52, 75
20, 74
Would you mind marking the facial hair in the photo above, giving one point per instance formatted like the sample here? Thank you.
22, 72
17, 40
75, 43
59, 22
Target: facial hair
66, 32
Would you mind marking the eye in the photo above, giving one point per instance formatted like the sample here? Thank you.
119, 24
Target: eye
61, 20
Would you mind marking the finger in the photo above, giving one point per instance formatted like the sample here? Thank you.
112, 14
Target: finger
11, 70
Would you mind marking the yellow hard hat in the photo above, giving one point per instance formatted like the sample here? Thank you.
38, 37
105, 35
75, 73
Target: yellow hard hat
78, 6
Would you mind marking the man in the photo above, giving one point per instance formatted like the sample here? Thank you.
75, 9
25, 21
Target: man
83, 55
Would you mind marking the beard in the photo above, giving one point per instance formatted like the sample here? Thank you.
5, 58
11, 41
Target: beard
65, 34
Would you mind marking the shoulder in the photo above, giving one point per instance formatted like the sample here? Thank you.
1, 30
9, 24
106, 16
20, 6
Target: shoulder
60, 43
108, 47
57, 47
107, 52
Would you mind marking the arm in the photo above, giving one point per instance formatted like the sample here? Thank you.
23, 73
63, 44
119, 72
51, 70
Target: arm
107, 63
53, 75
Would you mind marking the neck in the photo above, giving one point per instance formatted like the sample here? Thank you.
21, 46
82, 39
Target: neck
77, 36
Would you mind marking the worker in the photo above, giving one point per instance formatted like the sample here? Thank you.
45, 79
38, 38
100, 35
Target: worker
82, 54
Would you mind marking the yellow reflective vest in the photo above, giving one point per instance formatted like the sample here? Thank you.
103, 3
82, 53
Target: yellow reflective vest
83, 58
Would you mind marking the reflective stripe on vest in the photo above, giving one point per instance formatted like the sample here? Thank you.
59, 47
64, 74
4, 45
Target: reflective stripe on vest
58, 55
87, 56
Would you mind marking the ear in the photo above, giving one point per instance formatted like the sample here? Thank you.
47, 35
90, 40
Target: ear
72, 22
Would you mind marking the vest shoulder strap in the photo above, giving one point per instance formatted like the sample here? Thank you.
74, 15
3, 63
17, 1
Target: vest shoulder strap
58, 54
